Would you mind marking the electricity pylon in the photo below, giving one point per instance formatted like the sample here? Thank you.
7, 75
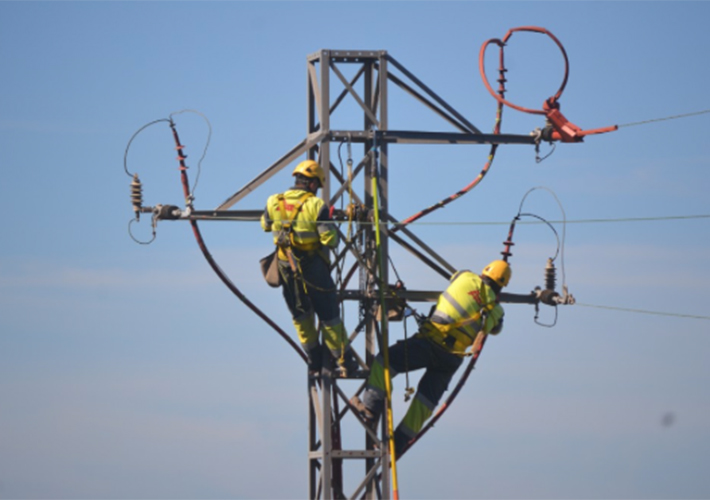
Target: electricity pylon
370, 77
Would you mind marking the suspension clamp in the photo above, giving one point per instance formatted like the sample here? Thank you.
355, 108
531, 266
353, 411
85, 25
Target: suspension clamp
166, 212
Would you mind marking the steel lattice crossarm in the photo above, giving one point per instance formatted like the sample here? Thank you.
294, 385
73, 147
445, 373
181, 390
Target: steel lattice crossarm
320, 109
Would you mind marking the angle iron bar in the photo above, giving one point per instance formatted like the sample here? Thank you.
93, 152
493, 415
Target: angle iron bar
418, 137
382, 93
326, 431
323, 151
349, 275
433, 295
412, 137
422, 257
358, 256
375, 101
350, 408
341, 254
355, 95
369, 476
337, 462
433, 95
324, 118
353, 56
344, 183
299, 149
342, 95
401, 84
352, 454
316, 406
361, 261
231, 215
356, 332
315, 91
423, 245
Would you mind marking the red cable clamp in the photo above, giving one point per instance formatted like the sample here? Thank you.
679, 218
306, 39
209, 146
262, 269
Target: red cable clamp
564, 130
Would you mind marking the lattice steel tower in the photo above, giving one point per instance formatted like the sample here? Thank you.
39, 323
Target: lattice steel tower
367, 89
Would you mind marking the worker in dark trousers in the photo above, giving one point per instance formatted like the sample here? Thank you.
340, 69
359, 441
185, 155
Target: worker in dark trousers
468, 306
304, 234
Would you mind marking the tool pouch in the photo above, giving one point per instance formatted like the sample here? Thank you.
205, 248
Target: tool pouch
270, 269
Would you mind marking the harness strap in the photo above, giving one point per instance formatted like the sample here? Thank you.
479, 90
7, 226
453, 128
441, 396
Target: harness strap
285, 240
442, 334
286, 243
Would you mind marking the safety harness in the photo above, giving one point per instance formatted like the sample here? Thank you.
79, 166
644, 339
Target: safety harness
285, 240
451, 336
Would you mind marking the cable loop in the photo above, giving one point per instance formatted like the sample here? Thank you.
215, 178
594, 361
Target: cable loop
130, 233
551, 101
128, 146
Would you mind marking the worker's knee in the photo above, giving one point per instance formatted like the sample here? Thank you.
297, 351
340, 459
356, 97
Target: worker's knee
305, 325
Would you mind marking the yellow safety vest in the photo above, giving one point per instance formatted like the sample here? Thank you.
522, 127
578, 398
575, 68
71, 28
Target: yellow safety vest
466, 307
293, 218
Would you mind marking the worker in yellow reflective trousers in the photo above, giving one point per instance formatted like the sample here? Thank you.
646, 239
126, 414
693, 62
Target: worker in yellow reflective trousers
304, 234
467, 306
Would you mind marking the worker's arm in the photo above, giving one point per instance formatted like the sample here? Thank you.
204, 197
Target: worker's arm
327, 231
493, 323
266, 221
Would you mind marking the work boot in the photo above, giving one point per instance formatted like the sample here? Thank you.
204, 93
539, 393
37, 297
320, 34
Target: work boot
349, 364
315, 359
401, 443
369, 418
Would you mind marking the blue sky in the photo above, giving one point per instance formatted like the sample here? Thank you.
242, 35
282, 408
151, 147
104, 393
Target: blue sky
129, 371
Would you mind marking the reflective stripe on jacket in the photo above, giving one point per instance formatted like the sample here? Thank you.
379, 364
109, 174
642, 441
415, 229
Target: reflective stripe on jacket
460, 310
312, 227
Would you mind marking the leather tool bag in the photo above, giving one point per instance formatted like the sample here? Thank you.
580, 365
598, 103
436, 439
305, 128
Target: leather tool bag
270, 269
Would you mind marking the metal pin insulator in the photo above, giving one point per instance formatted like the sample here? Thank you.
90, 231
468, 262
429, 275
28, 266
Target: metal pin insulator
136, 195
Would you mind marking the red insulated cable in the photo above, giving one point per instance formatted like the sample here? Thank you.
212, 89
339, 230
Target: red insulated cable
486, 167
449, 401
501, 44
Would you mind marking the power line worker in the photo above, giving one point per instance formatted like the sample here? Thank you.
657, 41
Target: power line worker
304, 233
467, 306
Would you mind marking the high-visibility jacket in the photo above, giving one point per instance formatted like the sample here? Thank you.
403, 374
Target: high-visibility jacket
304, 216
465, 308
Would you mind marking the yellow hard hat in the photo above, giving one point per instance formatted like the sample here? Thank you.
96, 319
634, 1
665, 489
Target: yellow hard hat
310, 169
499, 271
